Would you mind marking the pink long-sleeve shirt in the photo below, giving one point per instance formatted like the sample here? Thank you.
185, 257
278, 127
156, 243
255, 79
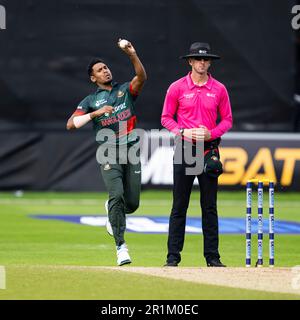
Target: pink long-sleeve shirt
188, 105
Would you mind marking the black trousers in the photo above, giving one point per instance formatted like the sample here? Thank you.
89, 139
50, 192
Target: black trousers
208, 200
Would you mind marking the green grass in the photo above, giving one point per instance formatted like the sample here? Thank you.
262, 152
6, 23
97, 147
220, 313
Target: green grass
31, 248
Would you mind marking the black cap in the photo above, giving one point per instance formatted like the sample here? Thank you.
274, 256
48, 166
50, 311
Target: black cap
200, 49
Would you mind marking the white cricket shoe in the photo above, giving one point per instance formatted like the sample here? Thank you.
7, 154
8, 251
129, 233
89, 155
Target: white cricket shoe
107, 223
123, 255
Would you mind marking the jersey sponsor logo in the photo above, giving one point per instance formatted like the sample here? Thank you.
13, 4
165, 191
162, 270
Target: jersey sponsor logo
119, 107
189, 95
99, 102
109, 121
120, 94
212, 95
124, 115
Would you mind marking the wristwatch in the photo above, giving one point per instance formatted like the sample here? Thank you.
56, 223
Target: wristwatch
181, 131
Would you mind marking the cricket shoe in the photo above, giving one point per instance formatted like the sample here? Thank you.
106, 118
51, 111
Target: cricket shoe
171, 264
107, 223
215, 263
123, 255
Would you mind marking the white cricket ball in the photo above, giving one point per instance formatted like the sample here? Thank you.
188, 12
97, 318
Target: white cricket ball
123, 43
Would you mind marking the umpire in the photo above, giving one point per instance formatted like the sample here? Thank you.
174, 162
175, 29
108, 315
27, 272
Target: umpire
190, 111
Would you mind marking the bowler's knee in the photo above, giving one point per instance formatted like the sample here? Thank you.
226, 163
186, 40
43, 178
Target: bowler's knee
132, 206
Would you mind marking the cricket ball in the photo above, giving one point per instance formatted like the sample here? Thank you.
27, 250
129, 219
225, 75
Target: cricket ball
123, 43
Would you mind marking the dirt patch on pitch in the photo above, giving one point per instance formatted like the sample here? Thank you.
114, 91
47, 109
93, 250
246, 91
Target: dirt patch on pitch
283, 280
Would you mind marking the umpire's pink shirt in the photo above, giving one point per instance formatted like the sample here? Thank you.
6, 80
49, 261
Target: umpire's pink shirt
188, 106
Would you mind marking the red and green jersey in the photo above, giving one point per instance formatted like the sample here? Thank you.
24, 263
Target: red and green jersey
122, 121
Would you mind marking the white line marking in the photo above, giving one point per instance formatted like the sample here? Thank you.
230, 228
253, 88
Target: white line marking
2, 277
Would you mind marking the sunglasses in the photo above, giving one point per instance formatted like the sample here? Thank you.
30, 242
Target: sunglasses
201, 58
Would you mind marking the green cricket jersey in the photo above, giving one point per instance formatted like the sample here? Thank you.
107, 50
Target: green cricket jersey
122, 121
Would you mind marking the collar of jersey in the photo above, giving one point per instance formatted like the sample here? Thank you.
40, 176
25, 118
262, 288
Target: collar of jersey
191, 84
114, 84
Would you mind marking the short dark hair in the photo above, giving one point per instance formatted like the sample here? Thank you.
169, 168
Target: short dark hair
92, 63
